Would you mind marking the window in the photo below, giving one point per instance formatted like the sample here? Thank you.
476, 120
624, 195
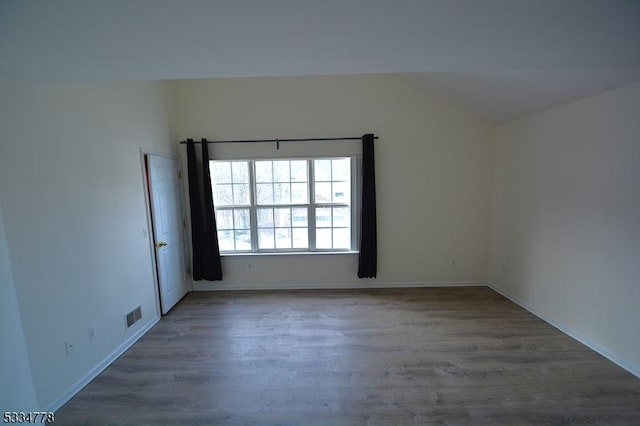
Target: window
284, 205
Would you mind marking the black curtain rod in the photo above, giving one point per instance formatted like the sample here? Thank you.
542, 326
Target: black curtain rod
285, 140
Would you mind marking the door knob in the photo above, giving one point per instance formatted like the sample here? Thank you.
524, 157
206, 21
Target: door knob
161, 244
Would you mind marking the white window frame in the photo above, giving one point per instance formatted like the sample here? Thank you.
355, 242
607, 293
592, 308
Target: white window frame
355, 166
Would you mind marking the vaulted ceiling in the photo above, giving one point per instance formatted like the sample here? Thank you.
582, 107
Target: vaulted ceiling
499, 58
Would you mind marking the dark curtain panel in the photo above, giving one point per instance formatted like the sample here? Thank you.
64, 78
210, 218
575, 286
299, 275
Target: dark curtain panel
367, 266
204, 234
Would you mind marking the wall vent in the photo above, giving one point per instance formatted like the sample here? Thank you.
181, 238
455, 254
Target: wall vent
133, 316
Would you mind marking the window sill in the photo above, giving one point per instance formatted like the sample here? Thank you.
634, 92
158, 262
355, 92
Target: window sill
299, 253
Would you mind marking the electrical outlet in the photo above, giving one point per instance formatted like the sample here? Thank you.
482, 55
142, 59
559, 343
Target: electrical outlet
68, 348
92, 333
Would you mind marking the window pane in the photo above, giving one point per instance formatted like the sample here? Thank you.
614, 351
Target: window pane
299, 171
341, 238
265, 238
265, 218
281, 193
241, 219
299, 217
322, 170
283, 238
340, 169
240, 171
221, 171
241, 194
299, 193
243, 240
341, 192
222, 195
263, 171
323, 217
282, 217
281, 171
323, 192
264, 193
341, 216
283, 197
300, 237
225, 240
323, 238
224, 219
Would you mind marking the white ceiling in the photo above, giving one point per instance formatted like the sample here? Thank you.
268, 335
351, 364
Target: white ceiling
504, 95
500, 58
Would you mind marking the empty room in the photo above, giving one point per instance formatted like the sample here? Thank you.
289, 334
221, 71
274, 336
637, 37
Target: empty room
360, 212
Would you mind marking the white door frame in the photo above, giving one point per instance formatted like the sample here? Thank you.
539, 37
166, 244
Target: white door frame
148, 231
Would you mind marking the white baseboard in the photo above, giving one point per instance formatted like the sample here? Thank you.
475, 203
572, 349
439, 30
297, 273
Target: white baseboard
77, 387
571, 333
365, 284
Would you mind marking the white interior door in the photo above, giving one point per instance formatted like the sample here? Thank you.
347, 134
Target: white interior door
165, 192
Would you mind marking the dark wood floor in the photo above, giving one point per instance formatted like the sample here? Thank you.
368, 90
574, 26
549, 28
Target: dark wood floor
352, 357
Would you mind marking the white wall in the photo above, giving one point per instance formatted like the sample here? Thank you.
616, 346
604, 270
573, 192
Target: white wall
16, 381
433, 165
566, 219
72, 192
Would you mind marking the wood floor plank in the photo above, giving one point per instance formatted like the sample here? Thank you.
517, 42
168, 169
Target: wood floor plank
356, 357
